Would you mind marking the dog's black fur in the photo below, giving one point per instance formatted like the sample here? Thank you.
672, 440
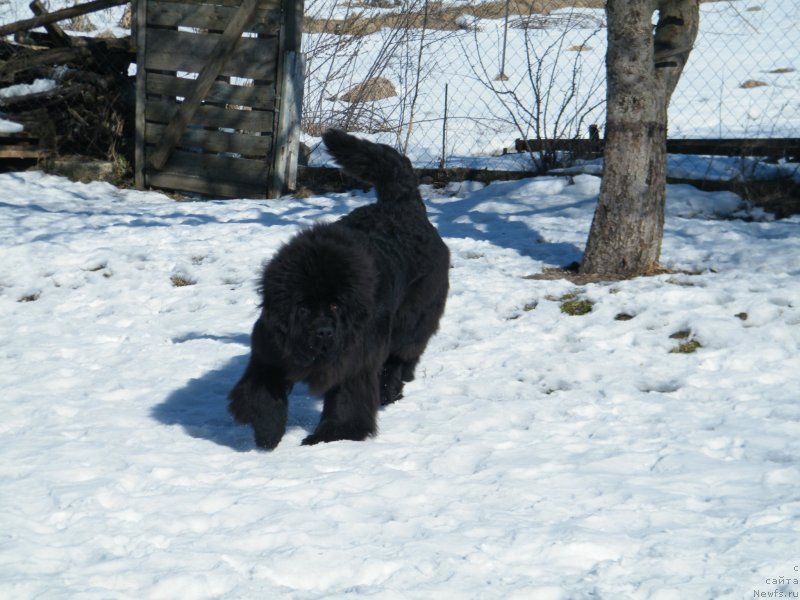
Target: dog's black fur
347, 307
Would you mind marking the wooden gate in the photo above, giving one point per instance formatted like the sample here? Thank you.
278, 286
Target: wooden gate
218, 95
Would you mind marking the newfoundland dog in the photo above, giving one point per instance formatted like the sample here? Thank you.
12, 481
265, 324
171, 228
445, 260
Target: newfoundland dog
347, 307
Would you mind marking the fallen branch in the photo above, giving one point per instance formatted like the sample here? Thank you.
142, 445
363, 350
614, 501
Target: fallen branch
59, 15
55, 32
100, 54
38, 99
32, 60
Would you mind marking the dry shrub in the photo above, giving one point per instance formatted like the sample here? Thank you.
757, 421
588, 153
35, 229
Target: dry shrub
126, 20
443, 17
79, 23
375, 88
753, 83
558, 21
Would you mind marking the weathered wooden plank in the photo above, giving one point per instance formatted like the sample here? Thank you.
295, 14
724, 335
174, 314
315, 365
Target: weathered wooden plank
23, 136
209, 16
59, 15
735, 146
55, 56
255, 121
253, 58
712, 147
251, 146
140, 37
205, 186
287, 137
293, 25
262, 4
289, 103
20, 152
22, 144
216, 170
224, 168
221, 92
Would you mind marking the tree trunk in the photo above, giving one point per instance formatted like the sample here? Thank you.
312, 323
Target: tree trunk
642, 71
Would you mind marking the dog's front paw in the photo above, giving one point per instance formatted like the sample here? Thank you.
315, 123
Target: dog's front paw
269, 424
313, 439
252, 404
331, 432
268, 437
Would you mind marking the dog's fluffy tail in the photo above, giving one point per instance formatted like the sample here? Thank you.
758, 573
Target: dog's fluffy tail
377, 164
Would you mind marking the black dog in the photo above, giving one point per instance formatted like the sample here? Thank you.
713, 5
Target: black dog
347, 307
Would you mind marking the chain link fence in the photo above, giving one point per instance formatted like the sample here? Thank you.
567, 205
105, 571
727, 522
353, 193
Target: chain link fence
448, 82
451, 83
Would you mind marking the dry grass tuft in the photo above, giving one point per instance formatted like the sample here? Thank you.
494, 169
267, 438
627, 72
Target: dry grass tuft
753, 83
181, 281
574, 306
375, 88
687, 347
440, 16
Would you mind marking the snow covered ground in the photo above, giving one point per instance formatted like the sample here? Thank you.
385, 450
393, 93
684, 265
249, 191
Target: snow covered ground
539, 455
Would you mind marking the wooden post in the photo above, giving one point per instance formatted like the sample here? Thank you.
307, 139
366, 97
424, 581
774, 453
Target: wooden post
287, 136
140, 38
291, 74
443, 161
502, 76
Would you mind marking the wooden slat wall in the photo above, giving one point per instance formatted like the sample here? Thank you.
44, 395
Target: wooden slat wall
212, 17
213, 117
249, 146
261, 97
212, 175
167, 50
228, 147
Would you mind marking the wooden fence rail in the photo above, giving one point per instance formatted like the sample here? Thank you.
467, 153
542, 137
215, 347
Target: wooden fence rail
767, 147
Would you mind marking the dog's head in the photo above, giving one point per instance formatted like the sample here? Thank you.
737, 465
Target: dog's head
317, 294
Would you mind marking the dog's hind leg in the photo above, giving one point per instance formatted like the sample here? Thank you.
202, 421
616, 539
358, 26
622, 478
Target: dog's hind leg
396, 372
350, 411
413, 329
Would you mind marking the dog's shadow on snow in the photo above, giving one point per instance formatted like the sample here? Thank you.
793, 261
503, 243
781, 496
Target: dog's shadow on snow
200, 407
